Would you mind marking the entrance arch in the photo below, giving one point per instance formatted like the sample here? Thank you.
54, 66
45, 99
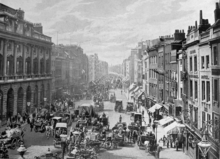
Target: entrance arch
20, 100
10, 103
28, 98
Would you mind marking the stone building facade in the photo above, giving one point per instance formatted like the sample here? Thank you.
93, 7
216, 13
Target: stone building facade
25, 64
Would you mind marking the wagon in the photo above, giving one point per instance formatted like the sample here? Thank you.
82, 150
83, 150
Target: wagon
61, 128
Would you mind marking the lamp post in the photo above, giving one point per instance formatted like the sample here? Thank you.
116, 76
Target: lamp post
63, 138
204, 145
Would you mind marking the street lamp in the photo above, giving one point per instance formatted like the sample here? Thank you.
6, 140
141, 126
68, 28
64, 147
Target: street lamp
204, 145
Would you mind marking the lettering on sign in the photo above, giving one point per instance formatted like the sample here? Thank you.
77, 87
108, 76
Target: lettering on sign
193, 76
205, 77
192, 51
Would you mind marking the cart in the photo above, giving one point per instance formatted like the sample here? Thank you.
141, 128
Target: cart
61, 128
119, 105
130, 106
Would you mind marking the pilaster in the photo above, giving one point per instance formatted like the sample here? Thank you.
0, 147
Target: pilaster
24, 47
32, 102
24, 102
5, 57
44, 56
49, 51
15, 58
4, 106
38, 60
15, 103
32, 63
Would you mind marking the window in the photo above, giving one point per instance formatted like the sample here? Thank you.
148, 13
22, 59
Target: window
215, 56
215, 89
9, 48
190, 63
203, 62
181, 91
208, 91
196, 89
181, 62
196, 118
207, 61
203, 119
195, 63
191, 88
203, 90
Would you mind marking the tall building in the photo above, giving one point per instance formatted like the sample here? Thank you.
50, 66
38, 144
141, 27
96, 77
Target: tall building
97, 68
25, 64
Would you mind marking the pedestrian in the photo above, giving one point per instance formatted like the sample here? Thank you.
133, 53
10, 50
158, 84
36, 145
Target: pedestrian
164, 140
177, 144
158, 152
171, 141
154, 126
31, 124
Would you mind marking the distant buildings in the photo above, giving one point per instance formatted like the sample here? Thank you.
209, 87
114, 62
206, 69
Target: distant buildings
70, 70
97, 68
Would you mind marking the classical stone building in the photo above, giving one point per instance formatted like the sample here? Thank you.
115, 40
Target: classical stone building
25, 59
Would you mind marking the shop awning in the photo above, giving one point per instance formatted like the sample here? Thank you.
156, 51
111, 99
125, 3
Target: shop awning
153, 108
136, 89
132, 87
140, 94
165, 120
173, 128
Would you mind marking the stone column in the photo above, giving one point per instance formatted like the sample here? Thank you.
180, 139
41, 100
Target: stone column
5, 57
32, 63
32, 101
15, 102
38, 60
24, 47
24, 102
49, 52
44, 56
15, 59
4, 106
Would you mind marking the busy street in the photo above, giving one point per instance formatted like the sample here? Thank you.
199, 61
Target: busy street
38, 144
109, 79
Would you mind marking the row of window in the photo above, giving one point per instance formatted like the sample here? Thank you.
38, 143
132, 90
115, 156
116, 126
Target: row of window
205, 60
206, 92
19, 66
153, 60
152, 73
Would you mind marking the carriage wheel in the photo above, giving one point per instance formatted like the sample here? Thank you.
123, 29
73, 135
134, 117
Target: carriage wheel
13, 144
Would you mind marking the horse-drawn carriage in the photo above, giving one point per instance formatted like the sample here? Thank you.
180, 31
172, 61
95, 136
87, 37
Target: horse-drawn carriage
12, 137
61, 128
105, 121
112, 97
119, 105
130, 106
136, 117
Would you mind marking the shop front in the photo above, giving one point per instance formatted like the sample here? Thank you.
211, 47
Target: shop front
191, 140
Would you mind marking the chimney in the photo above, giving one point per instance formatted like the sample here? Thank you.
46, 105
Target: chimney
217, 12
178, 35
196, 24
182, 31
200, 17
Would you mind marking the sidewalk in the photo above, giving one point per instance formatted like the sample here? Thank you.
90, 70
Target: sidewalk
171, 153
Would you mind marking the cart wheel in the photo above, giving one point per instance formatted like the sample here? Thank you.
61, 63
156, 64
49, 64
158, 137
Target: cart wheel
13, 144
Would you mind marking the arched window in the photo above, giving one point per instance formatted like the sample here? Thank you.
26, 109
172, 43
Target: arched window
28, 66
42, 66
19, 66
47, 66
35, 62
10, 65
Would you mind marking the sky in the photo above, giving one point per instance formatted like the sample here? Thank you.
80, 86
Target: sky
111, 28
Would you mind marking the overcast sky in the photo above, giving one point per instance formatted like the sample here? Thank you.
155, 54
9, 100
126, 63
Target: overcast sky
111, 28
